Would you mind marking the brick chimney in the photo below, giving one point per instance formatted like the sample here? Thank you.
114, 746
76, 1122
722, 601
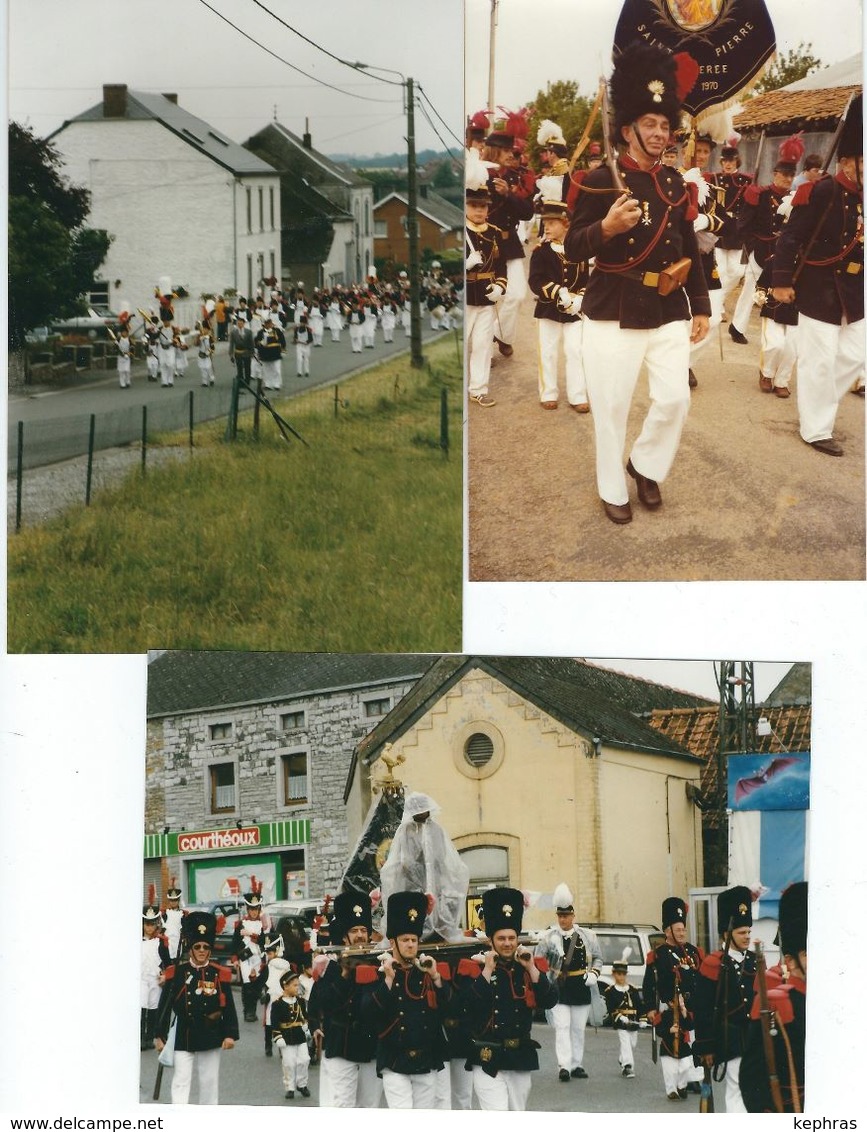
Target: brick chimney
114, 100
306, 139
171, 98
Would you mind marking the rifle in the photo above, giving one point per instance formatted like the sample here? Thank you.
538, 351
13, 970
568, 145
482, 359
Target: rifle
723, 977
164, 1013
610, 148
769, 1031
675, 1013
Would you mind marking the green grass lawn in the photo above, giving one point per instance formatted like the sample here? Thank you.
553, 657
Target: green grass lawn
350, 544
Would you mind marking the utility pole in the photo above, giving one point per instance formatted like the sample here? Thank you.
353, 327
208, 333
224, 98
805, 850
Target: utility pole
735, 735
416, 358
492, 55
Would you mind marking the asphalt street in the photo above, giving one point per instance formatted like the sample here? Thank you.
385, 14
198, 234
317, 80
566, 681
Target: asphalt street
57, 418
248, 1077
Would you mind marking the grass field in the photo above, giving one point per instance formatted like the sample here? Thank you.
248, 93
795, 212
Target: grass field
350, 544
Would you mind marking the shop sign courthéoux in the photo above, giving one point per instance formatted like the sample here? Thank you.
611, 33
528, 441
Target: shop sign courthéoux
210, 839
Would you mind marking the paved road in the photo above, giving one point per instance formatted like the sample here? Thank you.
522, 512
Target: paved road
56, 420
247, 1077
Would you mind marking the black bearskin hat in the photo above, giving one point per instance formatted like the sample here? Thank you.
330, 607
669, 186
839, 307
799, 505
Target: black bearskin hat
350, 910
674, 911
852, 140
734, 908
405, 914
200, 927
644, 81
503, 908
793, 919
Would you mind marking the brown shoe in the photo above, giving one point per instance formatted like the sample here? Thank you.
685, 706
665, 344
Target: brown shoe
505, 349
618, 512
766, 384
782, 390
581, 407
549, 404
648, 490
829, 446
859, 392
693, 380
483, 399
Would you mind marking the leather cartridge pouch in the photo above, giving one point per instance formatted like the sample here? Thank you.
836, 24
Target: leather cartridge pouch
673, 276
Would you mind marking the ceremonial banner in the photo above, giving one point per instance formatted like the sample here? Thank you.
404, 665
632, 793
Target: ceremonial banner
771, 847
726, 42
383, 818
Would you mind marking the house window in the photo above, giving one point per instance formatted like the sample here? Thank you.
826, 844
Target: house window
271, 210
291, 720
222, 788
367, 218
261, 210
273, 260
380, 229
219, 731
295, 789
479, 749
250, 276
375, 708
249, 211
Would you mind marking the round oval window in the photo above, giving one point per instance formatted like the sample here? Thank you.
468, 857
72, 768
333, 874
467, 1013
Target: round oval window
478, 749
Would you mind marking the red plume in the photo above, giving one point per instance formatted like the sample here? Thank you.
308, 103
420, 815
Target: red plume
686, 74
734, 139
517, 124
792, 149
152, 894
481, 119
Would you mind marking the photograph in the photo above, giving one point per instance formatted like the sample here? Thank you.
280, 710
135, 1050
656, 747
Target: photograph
335, 844
664, 292
235, 326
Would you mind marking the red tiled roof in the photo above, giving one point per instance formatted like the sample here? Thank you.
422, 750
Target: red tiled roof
793, 109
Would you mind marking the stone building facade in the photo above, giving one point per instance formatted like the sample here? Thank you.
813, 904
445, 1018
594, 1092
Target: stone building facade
247, 757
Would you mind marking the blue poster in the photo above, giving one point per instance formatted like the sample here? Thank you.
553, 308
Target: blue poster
769, 782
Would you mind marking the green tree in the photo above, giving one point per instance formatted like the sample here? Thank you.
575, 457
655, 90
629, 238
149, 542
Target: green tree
52, 256
444, 176
561, 103
796, 64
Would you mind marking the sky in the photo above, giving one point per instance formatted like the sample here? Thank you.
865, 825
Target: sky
532, 49
185, 47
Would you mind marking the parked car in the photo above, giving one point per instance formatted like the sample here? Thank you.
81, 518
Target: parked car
631, 942
293, 919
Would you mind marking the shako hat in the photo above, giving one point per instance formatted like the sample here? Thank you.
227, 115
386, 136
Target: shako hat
476, 178
550, 136
729, 153
508, 131
852, 139
288, 976
563, 899
502, 908
273, 941
620, 966
150, 913
734, 908
405, 914
174, 893
643, 81
790, 153
674, 911
253, 899
793, 919
200, 927
478, 126
351, 910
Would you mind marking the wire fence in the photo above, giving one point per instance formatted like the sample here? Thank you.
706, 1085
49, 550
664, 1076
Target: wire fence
68, 458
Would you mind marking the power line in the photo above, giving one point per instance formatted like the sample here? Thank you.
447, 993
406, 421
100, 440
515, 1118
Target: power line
313, 78
440, 117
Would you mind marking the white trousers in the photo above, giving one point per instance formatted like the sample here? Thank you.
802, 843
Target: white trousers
677, 1072
509, 1091
746, 299
730, 268
207, 1063
830, 360
734, 1100
302, 360
272, 375
296, 1065
778, 352
553, 335
612, 360
570, 1026
348, 1084
510, 304
167, 367
153, 364
716, 313
355, 337
409, 1090
628, 1041
123, 372
480, 347
206, 371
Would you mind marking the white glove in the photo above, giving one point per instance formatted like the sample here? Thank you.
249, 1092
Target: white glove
473, 260
564, 299
280, 1043
701, 222
642, 1025
494, 292
575, 304
590, 979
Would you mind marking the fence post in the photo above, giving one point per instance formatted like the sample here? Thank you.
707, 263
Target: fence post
90, 458
256, 404
20, 467
336, 399
144, 439
191, 418
444, 421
